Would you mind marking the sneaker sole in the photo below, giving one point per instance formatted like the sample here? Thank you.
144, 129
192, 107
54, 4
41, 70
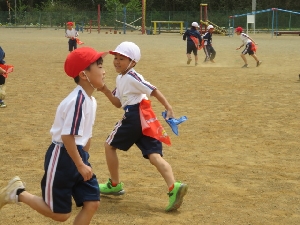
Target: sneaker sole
179, 197
122, 192
11, 182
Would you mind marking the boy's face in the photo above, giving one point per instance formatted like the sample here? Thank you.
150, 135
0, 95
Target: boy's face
69, 27
121, 63
96, 75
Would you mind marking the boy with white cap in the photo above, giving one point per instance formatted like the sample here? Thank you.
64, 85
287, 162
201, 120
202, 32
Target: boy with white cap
68, 172
193, 42
209, 51
131, 94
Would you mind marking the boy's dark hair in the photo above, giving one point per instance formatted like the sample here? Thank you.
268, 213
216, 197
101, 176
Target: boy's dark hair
99, 61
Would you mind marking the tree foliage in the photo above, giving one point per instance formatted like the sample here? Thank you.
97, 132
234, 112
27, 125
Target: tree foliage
151, 5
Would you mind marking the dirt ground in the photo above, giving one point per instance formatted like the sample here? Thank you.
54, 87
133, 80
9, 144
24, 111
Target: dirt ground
238, 151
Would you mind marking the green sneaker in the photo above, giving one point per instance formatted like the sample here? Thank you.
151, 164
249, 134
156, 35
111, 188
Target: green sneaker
176, 196
2, 104
108, 189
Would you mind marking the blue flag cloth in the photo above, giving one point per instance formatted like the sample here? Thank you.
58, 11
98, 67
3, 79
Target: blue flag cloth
173, 123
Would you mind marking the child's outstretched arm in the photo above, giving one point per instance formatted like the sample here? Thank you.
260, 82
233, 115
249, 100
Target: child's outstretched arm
161, 98
114, 100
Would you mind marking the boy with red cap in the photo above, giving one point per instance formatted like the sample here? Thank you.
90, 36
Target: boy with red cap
71, 33
131, 93
250, 47
68, 172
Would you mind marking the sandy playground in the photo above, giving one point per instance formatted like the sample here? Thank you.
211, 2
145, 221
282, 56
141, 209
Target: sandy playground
238, 151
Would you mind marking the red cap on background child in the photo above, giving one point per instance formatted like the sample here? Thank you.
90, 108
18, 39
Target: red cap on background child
70, 23
81, 58
239, 29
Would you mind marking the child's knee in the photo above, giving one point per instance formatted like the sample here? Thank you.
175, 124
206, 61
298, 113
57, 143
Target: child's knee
91, 206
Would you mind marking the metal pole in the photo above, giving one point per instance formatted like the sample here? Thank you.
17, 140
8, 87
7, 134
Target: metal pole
98, 18
253, 12
124, 26
290, 21
15, 12
272, 22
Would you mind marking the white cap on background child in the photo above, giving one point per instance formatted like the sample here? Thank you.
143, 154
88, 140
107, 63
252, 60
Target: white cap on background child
195, 24
209, 27
128, 49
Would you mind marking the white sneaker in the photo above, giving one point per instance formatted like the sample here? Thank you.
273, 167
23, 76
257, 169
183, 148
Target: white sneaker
258, 63
8, 195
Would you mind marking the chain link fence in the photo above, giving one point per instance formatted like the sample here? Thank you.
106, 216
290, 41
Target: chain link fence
115, 20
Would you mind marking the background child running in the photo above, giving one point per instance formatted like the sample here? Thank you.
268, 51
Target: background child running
193, 42
71, 33
68, 172
250, 47
209, 51
3, 75
131, 93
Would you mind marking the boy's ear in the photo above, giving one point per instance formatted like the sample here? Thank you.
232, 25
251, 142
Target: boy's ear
82, 75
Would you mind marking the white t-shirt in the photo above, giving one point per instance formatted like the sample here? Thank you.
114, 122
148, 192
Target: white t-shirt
132, 88
245, 38
71, 33
75, 115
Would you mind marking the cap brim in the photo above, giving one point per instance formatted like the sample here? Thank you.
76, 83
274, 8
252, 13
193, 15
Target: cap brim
115, 52
98, 55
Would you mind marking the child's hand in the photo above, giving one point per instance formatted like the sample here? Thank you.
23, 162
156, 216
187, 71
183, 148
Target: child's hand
2, 71
170, 114
103, 88
85, 171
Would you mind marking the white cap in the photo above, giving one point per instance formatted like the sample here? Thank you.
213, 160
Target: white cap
209, 27
195, 24
128, 49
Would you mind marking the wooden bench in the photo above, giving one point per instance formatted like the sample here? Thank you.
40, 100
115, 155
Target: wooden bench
278, 33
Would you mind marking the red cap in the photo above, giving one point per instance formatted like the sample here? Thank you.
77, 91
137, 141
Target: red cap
70, 23
80, 59
239, 29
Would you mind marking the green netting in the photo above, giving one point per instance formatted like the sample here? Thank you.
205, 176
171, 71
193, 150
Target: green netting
282, 20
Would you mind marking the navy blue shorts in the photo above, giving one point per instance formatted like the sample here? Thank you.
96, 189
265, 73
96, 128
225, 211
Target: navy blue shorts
247, 49
128, 131
62, 181
72, 44
191, 47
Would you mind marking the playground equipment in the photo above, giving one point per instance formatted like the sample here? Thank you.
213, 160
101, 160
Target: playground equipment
204, 21
98, 21
251, 19
168, 22
130, 25
139, 28
217, 29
